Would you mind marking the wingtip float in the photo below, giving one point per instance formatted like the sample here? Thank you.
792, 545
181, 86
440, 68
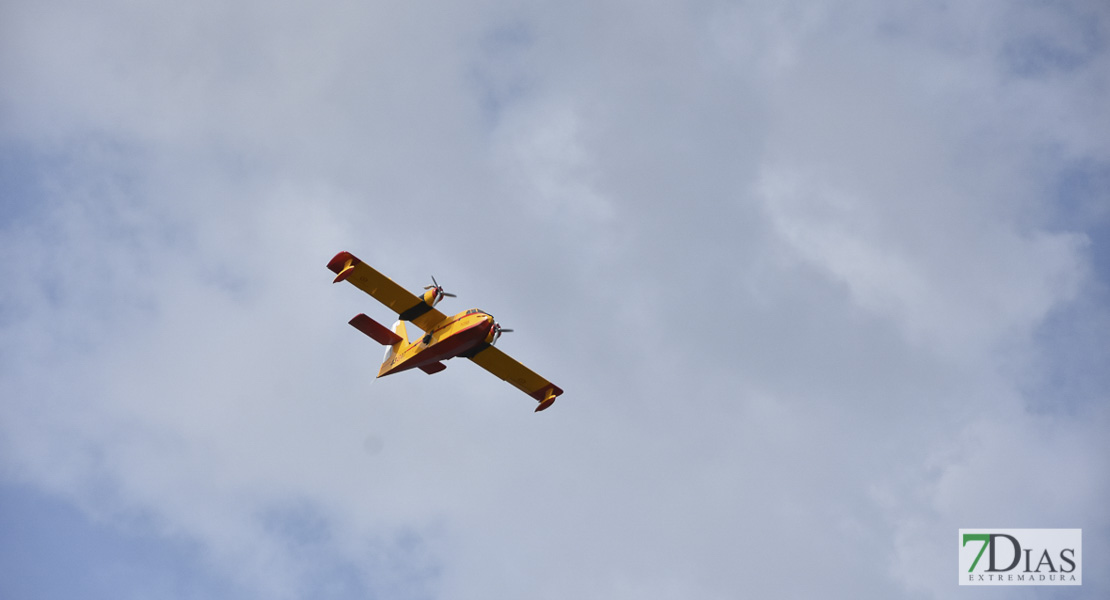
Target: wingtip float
547, 401
470, 334
343, 264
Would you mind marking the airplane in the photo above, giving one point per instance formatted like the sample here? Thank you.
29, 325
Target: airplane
471, 333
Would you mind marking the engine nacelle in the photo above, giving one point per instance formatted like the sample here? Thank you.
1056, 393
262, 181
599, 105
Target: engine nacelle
432, 296
494, 333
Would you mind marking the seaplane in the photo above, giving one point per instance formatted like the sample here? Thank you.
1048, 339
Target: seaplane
469, 334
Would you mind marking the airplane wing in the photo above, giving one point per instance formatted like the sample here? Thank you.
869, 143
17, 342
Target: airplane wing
406, 304
523, 378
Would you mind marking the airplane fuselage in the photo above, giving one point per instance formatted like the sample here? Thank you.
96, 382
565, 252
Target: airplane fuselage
460, 335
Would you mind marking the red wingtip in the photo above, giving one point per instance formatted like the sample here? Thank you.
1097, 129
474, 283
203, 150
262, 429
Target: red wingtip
339, 261
546, 404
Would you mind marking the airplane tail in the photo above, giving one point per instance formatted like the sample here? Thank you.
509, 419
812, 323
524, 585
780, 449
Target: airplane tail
396, 348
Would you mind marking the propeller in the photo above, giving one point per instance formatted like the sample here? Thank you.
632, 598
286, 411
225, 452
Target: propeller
439, 293
497, 331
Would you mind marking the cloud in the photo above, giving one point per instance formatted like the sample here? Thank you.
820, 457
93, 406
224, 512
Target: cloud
809, 278
985, 283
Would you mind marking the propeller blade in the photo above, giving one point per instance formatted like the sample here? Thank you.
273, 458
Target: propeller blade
449, 295
502, 330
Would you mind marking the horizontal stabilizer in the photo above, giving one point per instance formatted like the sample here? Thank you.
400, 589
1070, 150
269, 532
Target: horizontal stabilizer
375, 330
435, 367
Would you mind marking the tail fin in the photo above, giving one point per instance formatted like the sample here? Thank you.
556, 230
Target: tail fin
395, 349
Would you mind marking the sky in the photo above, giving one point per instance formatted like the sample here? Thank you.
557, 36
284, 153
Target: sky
823, 284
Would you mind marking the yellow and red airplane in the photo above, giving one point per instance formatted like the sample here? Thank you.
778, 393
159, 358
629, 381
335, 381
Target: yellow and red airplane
471, 333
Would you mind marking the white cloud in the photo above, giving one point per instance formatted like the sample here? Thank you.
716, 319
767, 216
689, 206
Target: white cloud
960, 286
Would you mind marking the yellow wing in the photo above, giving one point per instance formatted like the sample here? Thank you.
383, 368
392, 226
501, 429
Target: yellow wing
406, 304
523, 378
